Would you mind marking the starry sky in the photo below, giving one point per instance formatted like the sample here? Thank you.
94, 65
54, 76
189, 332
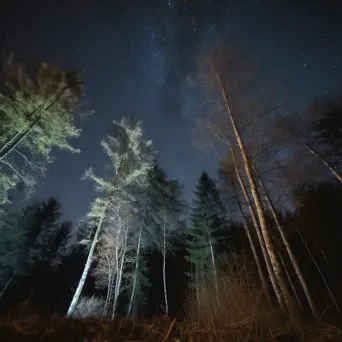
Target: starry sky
136, 56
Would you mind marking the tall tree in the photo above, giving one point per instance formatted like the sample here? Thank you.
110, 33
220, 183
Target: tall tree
131, 157
227, 75
14, 247
207, 220
38, 112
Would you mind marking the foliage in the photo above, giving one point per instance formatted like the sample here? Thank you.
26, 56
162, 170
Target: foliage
38, 112
89, 307
207, 223
13, 247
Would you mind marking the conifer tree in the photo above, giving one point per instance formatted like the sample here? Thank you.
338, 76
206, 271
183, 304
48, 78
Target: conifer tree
207, 220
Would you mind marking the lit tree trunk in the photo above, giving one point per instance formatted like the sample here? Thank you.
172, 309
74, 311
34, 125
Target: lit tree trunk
135, 273
320, 272
271, 274
259, 209
164, 270
254, 251
8, 283
293, 259
119, 275
214, 268
89, 261
108, 299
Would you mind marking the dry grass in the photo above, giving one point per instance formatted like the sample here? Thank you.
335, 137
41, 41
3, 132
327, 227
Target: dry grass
238, 314
238, 311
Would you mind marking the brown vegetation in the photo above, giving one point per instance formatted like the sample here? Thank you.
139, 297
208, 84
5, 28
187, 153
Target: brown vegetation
242, 314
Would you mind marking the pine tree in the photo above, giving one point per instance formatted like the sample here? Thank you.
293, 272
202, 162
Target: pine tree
161, 216
207, 220
13, 249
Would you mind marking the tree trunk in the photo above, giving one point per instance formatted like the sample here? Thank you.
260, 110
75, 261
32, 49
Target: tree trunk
8, 283
254, 251
293, 259
135, 273
197, 292
290, 282
164, 271
119, 277
269, 268
320, 272
260, 210
323, 161
108, 299
19, 137
89, 261
214, 269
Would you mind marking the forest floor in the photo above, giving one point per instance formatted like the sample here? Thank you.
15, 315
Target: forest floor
44, 328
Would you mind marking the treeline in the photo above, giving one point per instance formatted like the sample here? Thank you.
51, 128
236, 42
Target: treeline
143, 248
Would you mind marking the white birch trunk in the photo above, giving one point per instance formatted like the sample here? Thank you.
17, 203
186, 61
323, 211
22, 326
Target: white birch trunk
119, 276
293, 259
214, 269
261, 240
260, 210
88, 263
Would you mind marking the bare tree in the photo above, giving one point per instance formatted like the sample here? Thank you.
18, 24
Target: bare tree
229, 80
293, 259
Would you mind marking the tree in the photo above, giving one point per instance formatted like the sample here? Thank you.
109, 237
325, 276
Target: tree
328, 129
161, 218
227, 76
131, 157
207, 220
38, 112
13, 249
112, 253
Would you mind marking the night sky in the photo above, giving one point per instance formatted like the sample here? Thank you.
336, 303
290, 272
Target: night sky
136, 56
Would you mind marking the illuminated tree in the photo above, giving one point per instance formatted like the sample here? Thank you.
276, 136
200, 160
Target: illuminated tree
226, 74
131, 158
38, 112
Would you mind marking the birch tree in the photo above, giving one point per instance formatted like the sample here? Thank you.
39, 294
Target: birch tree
130, 159
112, 253
38, 111
228, 78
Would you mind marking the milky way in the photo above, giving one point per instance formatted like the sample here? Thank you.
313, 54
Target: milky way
136, 56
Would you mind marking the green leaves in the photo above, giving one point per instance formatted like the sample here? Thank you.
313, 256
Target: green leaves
37, 113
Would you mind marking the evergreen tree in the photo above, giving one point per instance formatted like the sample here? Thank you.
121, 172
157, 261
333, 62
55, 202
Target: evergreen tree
207, 220
13, 249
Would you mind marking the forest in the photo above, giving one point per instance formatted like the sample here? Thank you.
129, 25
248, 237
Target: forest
255, 257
